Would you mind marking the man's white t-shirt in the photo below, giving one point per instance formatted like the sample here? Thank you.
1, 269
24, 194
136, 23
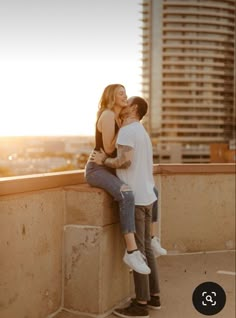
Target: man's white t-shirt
139, 176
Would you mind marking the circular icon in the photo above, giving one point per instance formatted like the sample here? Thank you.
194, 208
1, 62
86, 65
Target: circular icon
209, 298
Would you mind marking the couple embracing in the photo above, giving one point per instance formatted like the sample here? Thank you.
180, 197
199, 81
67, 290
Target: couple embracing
122, 165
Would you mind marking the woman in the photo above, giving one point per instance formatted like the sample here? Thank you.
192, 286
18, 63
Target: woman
113, 99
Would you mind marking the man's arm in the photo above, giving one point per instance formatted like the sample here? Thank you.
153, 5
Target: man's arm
123, 159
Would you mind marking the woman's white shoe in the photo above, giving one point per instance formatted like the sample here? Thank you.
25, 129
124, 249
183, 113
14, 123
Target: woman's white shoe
136, 261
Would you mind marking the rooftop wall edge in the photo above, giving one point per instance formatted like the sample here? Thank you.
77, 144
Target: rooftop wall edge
37, 182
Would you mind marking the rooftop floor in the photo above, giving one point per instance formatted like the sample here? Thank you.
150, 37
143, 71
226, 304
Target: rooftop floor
180, 275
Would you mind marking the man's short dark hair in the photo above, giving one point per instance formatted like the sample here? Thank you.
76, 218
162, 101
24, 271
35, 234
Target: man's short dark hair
142, 106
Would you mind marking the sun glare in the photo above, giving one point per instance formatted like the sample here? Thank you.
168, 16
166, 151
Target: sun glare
55, 97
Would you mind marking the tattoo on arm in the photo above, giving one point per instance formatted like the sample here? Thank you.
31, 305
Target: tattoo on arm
123, 159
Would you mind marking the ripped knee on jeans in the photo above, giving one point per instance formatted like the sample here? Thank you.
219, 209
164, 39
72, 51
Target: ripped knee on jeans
125, 187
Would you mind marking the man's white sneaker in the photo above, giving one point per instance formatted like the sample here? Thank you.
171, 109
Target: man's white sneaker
136, 261
156, 247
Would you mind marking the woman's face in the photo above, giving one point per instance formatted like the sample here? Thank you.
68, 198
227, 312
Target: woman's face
121, 97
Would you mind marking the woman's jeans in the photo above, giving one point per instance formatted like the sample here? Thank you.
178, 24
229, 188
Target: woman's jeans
105, 178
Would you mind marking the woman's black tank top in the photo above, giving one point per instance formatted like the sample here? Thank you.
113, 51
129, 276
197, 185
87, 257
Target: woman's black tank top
99, 141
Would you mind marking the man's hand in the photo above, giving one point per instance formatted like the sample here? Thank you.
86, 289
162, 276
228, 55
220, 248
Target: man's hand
98, 157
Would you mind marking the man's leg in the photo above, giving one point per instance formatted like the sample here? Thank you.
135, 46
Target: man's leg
141, 282
156, 244
138, 306
154, 287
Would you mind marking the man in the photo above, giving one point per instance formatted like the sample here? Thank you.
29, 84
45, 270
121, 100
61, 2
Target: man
134, 166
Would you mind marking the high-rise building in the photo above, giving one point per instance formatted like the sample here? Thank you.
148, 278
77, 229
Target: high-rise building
188, 58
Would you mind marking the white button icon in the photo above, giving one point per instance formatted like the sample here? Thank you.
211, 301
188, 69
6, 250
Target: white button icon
208, 299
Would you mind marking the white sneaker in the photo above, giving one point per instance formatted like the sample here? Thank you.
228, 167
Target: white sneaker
136, 261
156, 247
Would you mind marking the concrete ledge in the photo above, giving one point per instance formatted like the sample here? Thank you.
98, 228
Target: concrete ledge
90, 206
170, 169
36, 182
28, 183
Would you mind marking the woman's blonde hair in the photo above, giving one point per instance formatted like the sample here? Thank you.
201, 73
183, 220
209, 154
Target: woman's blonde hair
107, 99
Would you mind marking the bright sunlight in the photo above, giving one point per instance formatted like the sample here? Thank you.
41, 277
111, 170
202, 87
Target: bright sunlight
57, 97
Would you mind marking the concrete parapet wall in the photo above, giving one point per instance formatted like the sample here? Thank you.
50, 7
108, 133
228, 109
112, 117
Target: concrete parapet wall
61, 248
197, 212
89, 206
31, 240
95, 276
60, 242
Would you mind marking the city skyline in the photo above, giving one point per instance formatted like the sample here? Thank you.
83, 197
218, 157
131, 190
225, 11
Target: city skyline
56, 58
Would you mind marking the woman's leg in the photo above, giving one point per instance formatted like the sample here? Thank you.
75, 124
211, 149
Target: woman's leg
99, 176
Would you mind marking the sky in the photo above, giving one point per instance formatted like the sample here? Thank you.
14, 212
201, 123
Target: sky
57, 56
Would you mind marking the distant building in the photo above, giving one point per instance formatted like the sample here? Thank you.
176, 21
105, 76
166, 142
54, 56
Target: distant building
188, 60
221, 153
40, 154
54, 145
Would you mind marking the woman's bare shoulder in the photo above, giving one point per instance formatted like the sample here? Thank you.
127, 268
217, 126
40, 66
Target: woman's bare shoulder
107, 115
105, 119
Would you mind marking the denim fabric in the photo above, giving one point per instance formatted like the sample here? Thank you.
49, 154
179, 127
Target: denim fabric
145, 285
105, 178
155, 207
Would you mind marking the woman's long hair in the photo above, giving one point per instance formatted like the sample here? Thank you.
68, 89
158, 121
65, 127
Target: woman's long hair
107, 100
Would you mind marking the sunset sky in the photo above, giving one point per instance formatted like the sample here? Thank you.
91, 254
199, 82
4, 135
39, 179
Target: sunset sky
56, 57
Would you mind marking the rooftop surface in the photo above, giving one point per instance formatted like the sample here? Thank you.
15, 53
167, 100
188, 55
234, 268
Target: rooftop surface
180, 275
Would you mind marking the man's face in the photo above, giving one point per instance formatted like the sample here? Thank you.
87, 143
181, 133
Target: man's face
130, 101
126, 111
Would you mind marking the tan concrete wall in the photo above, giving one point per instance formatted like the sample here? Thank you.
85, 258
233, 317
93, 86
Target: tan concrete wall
197, 205
31, 226
89, 206
60, 248
197, 211
96, 279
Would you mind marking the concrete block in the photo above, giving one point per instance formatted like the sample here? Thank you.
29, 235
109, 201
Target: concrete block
197, 212
86, 205
31, 254
96, 279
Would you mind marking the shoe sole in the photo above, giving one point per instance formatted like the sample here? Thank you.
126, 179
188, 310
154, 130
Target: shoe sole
154, 307
158, 255
144, 273
125, 316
